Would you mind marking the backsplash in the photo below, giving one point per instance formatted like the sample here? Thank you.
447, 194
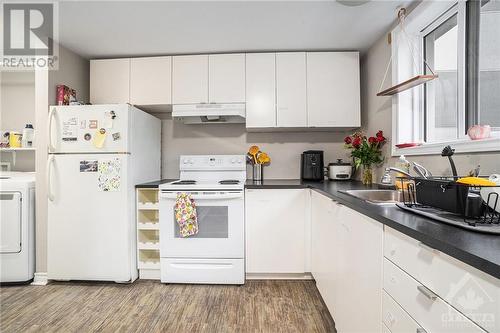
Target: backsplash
284, 148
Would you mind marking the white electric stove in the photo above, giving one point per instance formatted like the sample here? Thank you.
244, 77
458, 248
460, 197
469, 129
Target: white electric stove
216, 254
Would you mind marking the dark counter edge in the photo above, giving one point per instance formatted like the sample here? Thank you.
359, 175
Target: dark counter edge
367, 209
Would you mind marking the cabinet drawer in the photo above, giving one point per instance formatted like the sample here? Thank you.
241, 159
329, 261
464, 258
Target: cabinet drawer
429, 310
474, 293
395, 318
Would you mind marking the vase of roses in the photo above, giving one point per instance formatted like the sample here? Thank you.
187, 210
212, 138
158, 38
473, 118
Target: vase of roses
366, 151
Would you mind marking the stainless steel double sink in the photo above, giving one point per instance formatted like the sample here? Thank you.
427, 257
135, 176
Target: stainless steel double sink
377, 197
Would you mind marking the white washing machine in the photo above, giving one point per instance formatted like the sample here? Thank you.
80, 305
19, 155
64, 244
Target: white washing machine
17, 226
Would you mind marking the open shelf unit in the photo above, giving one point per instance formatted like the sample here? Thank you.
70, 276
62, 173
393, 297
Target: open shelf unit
148, 233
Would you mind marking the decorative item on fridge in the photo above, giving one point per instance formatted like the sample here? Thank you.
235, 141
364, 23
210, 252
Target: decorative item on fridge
257, 159
365, 151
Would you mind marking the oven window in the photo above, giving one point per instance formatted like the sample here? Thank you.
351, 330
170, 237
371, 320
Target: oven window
213, 222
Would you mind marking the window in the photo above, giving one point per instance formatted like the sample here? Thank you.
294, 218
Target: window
441, 95
489, 63
460, 42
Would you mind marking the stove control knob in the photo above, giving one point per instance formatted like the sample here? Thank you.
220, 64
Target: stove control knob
191, 162
240, 161
185, 161
233, 160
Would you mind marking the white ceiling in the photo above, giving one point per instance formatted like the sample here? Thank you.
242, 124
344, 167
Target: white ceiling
97, 29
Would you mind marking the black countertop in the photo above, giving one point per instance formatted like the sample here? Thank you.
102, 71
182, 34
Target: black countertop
154, 184
479, 250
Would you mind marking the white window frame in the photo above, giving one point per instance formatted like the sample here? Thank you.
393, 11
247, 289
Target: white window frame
423, 19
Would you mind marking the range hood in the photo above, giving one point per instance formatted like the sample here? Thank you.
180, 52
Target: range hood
209, 113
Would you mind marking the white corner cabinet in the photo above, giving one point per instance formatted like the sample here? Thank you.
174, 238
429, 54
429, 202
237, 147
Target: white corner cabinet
148, 231
347, 251
276, 230
138, 81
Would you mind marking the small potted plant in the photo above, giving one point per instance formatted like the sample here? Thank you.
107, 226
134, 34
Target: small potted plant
366, 151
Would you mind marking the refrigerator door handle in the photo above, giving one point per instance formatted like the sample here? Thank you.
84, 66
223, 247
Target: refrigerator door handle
50, 162
52, 112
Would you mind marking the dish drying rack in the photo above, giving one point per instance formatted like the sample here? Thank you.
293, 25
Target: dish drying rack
445, 200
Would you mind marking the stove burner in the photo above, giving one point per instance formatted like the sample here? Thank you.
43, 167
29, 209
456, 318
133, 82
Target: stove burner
184, 182
229, 182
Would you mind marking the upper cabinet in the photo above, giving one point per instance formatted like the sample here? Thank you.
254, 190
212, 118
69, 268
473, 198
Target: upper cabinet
151, 81
261, 90
226, 77
333, 92
291, 89
294, 90
109, 81
190, 79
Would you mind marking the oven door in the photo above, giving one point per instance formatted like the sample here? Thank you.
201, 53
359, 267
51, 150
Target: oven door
221, 220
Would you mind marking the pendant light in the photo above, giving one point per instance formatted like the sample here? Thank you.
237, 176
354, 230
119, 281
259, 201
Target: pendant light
414, 81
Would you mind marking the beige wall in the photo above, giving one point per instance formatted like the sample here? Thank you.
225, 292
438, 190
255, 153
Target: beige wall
283, 147
377, 114
17, 108
74, 72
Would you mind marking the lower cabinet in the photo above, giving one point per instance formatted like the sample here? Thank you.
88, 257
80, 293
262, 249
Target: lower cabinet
276, 230
347, 252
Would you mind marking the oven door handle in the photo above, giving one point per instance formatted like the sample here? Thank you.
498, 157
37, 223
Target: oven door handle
217, 196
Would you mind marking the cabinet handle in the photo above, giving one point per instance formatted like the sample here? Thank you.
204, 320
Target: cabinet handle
427, 292
421, 330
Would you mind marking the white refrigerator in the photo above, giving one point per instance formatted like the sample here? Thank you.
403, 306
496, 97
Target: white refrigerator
97, 154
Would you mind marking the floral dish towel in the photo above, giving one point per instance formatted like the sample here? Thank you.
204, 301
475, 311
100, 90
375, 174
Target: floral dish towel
185, 215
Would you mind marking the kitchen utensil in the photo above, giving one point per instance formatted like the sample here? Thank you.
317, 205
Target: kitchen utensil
257, 172
421, 171
400, 171
475, 181
253, 152
339, 170
491, 195
448, 152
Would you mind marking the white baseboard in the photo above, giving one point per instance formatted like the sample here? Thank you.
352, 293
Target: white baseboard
40, 279
279, 276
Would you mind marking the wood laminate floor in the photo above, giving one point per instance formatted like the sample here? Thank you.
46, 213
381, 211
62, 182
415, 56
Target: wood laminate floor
149, 306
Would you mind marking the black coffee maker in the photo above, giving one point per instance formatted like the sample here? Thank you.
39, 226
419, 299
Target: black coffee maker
312, 166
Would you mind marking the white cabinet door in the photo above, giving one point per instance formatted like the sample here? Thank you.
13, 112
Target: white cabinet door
291, 89
226, 78
324, 245
359, 281
190, 79
110, 81
260, 90
275, 224
151, 81
333, 89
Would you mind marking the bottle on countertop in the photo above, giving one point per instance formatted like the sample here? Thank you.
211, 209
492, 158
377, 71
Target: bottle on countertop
28, 138
404, 165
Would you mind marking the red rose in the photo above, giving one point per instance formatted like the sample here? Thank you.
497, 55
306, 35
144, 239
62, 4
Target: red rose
348, 140
371, 139
357, 142
380, 139
380, 134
